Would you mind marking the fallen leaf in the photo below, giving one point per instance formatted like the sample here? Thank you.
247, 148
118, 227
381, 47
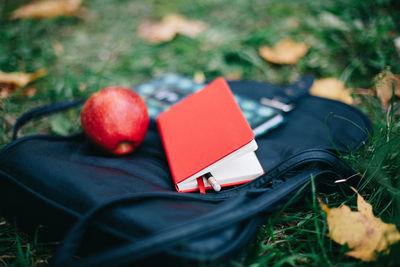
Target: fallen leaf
168, 27
6, 90
30, 92
9, 82
21, 79
360, 230
47, 9
199, 77
332, 88
286, 51
384, 88
234, 76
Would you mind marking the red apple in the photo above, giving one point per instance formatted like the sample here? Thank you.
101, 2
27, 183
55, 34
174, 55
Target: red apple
115, 119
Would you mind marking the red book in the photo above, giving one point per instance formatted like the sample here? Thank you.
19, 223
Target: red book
207, 133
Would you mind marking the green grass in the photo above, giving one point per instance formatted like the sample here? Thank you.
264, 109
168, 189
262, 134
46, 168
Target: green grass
349, 40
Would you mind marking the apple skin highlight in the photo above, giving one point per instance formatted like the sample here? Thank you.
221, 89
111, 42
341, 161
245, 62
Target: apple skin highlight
115, 119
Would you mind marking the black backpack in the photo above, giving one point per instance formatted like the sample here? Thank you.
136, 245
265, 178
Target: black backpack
125, 210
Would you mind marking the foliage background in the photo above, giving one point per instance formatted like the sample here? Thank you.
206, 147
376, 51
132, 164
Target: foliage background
350, 40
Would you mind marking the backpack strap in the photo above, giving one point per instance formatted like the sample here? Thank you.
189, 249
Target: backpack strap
244, 205
227, 214
43, 111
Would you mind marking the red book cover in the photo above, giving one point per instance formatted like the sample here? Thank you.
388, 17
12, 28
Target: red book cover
202, 129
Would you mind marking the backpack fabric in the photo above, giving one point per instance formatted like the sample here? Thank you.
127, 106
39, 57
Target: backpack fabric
125, 210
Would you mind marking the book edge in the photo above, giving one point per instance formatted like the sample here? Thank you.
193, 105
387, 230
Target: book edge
248, 148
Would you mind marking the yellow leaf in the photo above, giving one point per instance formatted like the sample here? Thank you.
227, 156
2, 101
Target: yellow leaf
21, 79
9, 82
360, 230
47, 9
384, 88
199, 77
168, 27
286, 51
333, 89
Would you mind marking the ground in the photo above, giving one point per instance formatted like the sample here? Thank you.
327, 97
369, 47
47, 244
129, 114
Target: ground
349, 40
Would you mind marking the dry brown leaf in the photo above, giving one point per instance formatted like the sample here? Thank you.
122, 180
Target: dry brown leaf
332, 88
9, 82
233, 76
384, 88
360, 230
30, 92
47, 9
286, 51
6, 90
168, 27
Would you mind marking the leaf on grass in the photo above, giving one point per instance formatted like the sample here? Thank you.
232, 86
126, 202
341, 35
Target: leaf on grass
286, 51
199, 77
360, 230
30, 92
234, 76
6, 90
384, 88
168, 27
21, 79
47, 9
332, 88
9, 82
